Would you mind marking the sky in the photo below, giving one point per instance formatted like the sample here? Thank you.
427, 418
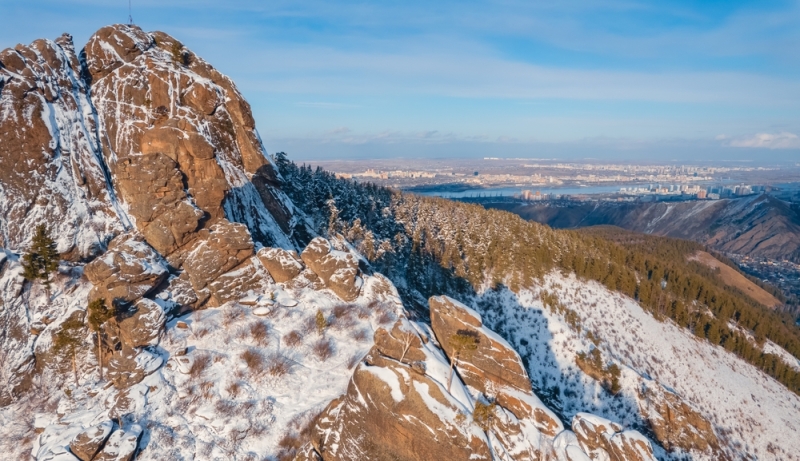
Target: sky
572, 79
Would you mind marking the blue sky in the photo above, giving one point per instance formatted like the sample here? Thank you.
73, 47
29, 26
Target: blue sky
625, 79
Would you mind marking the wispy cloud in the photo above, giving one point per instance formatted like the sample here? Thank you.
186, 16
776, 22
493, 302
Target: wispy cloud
781, 140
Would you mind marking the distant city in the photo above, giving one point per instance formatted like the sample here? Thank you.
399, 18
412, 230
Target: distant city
523, 179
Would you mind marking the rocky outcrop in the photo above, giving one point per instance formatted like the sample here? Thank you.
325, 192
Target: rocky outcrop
494, 367
181, 141
282, 265
402, 404
86, 445
122, 445
129, 366
143, 326
129, 270
53, 170
338, 270
675, 424
603, 439
401, 415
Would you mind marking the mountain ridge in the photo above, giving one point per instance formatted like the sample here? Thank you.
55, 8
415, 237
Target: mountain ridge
254, 319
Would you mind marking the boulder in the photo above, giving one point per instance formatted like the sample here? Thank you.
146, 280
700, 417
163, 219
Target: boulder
247, 278
143, 325
217, 250
401, 343
338, 270
494, 367
390, 413
127, 366
129, 270
122, 445
604, 439
675, 424
282, 265
89, 442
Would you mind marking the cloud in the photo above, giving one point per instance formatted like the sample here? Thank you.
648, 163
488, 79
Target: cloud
783, 140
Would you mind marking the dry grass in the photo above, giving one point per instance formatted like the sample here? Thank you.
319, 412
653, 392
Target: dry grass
232, 314
360, 335
206, 389
354, 360
297, 434
323, 349
233, 389
731, 277
293, 338
226, 407
200, 363
259, 331
253, 359
278, 365
386, 317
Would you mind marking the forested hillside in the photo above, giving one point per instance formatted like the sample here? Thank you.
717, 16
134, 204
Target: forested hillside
430, 246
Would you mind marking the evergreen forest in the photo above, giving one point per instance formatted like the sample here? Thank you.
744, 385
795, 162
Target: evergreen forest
431, 246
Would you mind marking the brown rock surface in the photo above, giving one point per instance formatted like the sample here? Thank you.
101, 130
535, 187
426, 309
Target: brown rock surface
189, 120
282, 265
52, 168
674, 422
122, 445
216, 251
387, 413
128, 366
143, 326
127, 271
338, 270
89, 442
494, 368
603, 439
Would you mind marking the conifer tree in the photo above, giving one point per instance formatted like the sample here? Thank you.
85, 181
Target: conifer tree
321, 322
42, 259
463, 342
69, 340
99, 314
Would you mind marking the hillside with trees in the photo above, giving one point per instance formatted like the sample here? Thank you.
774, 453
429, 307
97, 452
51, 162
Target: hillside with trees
429, 246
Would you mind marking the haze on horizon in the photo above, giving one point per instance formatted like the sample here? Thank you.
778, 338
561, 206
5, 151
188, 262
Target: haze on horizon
679, 80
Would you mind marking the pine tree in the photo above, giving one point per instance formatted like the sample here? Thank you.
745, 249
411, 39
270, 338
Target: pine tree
321, 322
99, 314
69, 340
42, 259
463, 342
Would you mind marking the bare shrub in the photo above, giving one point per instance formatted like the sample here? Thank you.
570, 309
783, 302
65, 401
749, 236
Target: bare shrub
253, 359
309, 325
385, 317
360, 335
201, 362
226, 407
340, 310
345, 322
362, 313
206, 389
297, 434
202, 332
293, 338
278, 365
233, 389
323, 349
354, 360
232, 314
259, 331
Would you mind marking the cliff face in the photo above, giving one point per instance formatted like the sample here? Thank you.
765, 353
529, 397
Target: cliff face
53, 170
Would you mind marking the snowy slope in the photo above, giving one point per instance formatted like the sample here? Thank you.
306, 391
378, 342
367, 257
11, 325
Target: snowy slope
754, 415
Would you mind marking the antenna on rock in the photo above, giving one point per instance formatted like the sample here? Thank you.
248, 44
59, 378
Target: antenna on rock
130, 17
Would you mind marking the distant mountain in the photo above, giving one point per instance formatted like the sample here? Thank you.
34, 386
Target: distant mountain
757, 226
